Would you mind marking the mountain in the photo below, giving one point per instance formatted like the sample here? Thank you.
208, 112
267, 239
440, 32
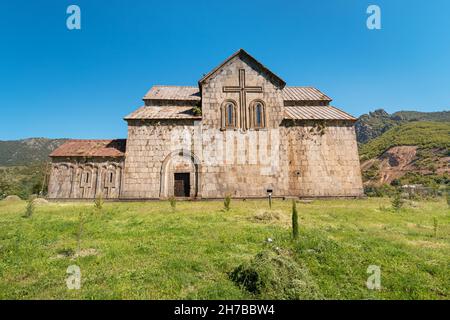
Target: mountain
415, 152
27, 151
374, 124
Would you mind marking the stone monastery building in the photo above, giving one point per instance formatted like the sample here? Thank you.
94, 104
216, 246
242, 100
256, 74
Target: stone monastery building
240, 132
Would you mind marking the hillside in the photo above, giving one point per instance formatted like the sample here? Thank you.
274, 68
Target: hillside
374, 124
424, 135
414, 152
27, 151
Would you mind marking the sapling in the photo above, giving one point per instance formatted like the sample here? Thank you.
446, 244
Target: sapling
294, 220
227, 202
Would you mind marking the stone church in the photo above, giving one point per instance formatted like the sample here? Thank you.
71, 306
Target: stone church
241, 132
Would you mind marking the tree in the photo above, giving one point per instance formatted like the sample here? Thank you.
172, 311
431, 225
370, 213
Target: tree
294, 220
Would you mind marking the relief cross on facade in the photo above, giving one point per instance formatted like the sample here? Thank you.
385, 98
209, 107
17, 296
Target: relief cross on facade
242, 89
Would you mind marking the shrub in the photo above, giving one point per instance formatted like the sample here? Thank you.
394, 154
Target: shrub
197, 111
372, 173
397, 201
98, 202
173, 203
227, 202
379, 191
294, 220
275, 275
30, 207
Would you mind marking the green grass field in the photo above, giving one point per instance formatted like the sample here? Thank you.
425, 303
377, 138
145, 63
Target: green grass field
146, 251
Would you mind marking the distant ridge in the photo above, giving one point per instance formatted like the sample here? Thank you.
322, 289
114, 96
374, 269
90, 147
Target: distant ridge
372, 125
27, 151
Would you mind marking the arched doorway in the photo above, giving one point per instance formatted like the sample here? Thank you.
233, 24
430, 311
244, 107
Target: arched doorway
180, 175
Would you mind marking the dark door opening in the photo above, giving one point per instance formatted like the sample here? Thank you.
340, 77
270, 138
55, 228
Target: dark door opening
182, 185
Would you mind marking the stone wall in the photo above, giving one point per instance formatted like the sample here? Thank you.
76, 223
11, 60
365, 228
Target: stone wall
321, 159
243, 164
85, 178
158, 149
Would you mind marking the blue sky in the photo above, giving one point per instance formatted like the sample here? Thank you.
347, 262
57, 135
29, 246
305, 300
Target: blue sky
80, 84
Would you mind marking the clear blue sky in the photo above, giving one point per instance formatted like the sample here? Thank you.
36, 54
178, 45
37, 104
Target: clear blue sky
80, 84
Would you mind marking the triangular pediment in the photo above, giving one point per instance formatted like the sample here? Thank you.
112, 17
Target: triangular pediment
252, 62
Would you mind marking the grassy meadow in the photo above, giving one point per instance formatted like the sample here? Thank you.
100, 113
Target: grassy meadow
149, 251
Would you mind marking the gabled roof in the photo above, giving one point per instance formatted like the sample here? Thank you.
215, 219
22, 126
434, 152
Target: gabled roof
91, 148
242, 53
316, 113
165, 112
179, 93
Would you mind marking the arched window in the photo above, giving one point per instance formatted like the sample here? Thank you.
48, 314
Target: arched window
228, 112
110, 178
257, 114
86, 178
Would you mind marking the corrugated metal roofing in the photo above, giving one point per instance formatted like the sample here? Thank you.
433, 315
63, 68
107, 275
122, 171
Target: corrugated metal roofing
173, 93
184, 93
316, 113
166, 112
303, 93
91, 148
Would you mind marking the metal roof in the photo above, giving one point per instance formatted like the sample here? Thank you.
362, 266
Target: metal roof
91, 148
303, 94
316, 113
166, 112
182, 93
188, 93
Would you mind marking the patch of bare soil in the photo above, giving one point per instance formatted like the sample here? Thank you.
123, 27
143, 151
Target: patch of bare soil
76, 254
397, 161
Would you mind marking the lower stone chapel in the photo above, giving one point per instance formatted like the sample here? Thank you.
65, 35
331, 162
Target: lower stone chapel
241, 132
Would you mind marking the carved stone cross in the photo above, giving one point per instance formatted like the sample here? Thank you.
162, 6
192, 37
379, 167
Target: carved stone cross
242, 90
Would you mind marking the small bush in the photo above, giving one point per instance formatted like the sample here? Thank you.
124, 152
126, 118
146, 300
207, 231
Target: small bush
29, 211
397, 201
275, 275
379, 191
227, 202
197, 111
435, 226
98, 202
173, 203
294, 220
